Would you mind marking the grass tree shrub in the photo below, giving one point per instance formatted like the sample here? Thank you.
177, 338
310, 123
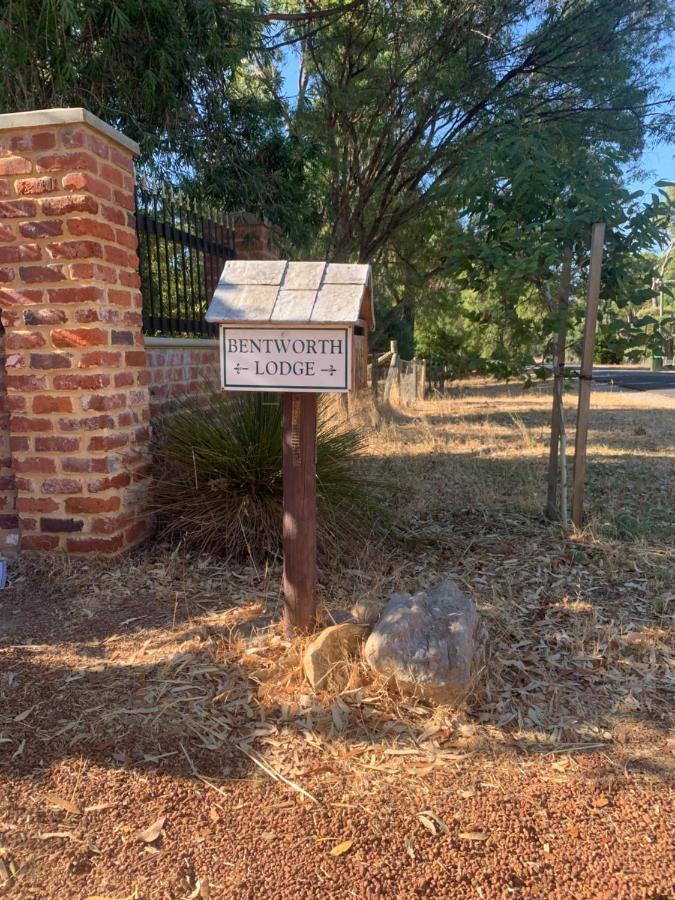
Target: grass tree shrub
218, 484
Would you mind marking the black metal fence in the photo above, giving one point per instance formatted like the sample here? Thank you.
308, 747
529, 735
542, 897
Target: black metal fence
182, 248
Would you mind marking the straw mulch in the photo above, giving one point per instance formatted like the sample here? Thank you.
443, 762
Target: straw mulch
173, 666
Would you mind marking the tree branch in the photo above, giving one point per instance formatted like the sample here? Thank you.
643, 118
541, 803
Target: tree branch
310, 15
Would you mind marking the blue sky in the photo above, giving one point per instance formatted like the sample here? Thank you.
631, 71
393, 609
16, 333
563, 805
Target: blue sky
658, 161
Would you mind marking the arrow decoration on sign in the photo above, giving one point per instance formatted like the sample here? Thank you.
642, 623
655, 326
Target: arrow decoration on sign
239, 368
331, 370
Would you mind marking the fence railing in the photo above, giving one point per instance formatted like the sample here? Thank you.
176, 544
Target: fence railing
182, 248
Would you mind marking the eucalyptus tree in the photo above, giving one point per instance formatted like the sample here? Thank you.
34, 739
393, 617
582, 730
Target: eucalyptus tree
401, 96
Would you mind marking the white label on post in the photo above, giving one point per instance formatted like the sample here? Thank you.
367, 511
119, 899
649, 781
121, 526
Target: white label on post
285, 359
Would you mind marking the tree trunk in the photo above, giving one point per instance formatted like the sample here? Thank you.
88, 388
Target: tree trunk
558, 384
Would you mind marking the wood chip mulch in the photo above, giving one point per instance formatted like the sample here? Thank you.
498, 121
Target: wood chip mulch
143, 755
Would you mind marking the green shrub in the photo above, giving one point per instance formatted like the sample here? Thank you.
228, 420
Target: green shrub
218, 477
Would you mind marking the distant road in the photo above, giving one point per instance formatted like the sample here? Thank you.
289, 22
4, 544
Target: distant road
634, 379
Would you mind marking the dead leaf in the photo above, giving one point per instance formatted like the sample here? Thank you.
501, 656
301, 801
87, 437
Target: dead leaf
432, 822
214, 815
24, 714
341, 848
64, 804
473, 836
152, 832
574, 831
600, 802
428, 824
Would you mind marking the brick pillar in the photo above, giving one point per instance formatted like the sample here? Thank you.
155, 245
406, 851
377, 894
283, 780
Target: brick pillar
255, 237
71, 308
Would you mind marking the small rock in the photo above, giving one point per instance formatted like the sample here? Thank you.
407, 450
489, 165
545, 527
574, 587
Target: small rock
338, 616
366, 613
427, 642
333, 645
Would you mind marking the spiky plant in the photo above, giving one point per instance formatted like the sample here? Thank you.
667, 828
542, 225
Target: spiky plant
218, 477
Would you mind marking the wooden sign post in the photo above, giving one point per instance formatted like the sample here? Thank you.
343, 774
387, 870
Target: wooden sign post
586, 374
299, 518
298, 329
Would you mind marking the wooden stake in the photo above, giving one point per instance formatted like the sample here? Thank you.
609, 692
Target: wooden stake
586, 375
393, 373
374, 372
299, 520
563, 473
558, 384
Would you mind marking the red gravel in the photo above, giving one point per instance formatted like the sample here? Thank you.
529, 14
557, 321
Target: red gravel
542, 839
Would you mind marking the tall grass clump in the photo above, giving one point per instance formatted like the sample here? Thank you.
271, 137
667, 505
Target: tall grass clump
218, 477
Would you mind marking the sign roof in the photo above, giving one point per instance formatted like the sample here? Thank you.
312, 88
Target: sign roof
298, 292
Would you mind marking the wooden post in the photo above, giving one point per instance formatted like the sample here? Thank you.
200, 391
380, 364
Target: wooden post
557, 424
586, 374
393, 373
374, 372
299, 519
423, 380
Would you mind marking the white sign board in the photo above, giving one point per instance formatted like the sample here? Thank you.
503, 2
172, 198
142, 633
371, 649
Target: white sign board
285, 359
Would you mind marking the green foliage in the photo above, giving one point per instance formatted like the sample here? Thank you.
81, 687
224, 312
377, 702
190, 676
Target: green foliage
542, 196
410, 101
133, 62
175, 75
456, 146
218, 477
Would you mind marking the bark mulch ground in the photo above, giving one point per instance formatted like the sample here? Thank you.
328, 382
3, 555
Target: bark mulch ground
157, 739
111, 786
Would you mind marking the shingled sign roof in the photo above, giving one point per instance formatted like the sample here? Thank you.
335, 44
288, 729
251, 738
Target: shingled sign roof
299, 292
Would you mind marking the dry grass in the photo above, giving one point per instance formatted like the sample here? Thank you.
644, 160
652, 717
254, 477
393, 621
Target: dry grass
580, 649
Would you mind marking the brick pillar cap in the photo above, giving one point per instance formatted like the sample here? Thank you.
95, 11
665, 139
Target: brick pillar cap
40, 118
249, 218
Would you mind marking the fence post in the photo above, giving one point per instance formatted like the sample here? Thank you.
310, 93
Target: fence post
423, 380
374, 373
71, 308
393, 374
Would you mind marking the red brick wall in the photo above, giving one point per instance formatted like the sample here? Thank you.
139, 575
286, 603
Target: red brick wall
76, 382
9, 534
254, 239
178, 369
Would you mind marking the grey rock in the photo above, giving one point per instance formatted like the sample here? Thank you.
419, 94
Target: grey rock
428, 642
